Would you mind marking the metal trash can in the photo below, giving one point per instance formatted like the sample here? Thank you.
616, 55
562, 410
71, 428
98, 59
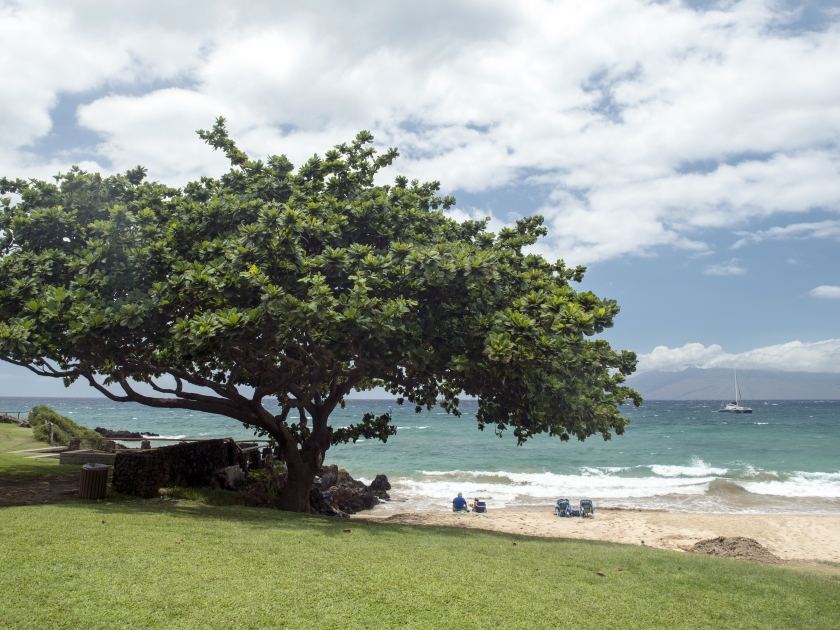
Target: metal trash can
94, 481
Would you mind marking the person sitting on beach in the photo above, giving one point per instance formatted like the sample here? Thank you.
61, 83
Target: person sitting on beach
459, 504
476, 501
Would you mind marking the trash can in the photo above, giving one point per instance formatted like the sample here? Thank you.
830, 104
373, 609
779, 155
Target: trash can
94, 481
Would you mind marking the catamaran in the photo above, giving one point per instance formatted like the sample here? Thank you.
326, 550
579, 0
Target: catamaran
735, 407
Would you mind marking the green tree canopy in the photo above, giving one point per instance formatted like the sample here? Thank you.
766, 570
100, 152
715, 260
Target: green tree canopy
300, 286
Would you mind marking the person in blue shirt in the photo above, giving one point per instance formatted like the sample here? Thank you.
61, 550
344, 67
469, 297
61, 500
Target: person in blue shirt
459, 504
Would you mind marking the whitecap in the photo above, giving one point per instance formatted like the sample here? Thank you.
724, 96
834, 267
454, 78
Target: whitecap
799, 484
436, 488
698, 468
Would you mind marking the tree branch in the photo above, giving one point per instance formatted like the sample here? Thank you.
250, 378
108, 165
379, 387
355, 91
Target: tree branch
52, 372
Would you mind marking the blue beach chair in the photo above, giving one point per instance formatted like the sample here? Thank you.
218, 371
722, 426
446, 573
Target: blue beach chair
562, 508
586, 508
480, 507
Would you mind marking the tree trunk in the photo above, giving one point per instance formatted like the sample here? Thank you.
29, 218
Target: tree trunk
295, 494
303, 463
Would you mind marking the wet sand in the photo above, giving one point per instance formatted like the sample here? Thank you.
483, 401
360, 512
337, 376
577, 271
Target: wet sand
801, 537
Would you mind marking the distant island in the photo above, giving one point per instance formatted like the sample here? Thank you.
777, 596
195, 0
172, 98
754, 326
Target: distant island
716, 384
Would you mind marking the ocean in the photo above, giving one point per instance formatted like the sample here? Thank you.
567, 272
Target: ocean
675, 455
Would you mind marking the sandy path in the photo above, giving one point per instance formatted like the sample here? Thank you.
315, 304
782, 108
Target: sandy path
789, 536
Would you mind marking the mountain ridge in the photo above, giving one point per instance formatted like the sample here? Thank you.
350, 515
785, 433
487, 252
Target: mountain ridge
719, 384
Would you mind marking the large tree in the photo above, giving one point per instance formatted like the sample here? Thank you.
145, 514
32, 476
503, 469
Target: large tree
300, 286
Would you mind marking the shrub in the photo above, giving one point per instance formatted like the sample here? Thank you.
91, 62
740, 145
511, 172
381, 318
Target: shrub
40, 418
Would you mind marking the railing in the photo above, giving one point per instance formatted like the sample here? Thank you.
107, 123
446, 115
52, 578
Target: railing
16, 413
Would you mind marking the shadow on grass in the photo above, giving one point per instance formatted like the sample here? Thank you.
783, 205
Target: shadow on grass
332, 527
266, 518
385, 533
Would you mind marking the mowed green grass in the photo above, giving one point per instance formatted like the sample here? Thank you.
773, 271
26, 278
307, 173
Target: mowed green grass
18, 466
162, 564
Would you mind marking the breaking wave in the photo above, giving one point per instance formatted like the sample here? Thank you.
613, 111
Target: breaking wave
695, 486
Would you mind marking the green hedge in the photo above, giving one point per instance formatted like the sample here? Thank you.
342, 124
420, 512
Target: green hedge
40, 418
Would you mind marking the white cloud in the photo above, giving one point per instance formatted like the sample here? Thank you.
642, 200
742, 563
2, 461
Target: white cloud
821, 229
796, 356
826, 291
647, 122
731, 268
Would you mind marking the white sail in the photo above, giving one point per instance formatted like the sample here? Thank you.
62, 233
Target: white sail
736, 406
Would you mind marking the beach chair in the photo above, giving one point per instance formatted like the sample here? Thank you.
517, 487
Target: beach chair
586, 508
480, 507
562, 508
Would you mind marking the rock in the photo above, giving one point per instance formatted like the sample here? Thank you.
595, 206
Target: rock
329, 476
145, 445
110, 446
320, 503
229, 476
264, 492
22, 423
344, 479
351, 499
379, 486
348, 495
380, 483
108, 433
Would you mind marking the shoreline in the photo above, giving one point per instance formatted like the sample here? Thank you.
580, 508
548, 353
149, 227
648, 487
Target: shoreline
791, 537
748, 505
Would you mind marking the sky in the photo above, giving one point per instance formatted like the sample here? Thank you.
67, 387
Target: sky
686, 152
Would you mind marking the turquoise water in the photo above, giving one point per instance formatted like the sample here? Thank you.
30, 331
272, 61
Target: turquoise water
674, 455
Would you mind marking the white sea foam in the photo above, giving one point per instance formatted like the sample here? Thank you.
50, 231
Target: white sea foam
436, 488
698, 468
166, 437
650, 486
798, 484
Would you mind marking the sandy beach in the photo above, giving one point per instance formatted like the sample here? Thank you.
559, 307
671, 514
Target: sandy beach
789, 536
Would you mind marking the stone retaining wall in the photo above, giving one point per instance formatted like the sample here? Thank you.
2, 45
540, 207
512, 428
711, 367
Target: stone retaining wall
144, 472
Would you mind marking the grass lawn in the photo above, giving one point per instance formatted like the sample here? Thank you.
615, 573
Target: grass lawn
167, 564
17, 466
